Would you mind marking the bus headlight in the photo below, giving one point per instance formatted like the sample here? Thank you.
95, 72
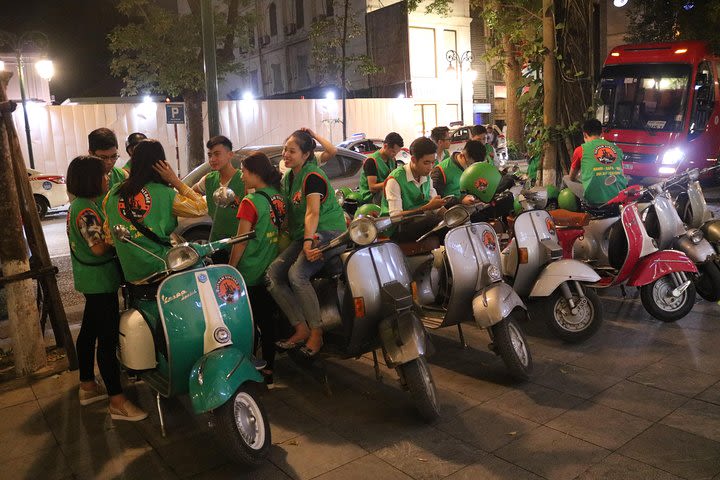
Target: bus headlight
673, 156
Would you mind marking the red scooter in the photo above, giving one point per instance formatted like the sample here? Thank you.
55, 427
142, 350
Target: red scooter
613, 239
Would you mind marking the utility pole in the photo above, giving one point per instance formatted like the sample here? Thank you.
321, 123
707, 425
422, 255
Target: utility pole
28, 345
550, 154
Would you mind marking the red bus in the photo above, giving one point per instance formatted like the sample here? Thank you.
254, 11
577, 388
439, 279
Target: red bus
658, 103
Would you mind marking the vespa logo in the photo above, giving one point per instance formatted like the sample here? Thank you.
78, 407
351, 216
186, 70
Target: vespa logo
181, 295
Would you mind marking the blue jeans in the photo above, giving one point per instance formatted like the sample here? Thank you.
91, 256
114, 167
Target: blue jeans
288, 281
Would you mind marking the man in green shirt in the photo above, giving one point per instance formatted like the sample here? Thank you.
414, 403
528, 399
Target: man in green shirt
378, 166
441, 137
446, 175
598, 162
102, 143
225, 222
479, 133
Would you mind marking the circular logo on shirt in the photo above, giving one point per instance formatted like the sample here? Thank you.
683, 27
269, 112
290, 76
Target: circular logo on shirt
605, 155
481, 184
278, 206
139, 206
489, 240
228, 289
297, 198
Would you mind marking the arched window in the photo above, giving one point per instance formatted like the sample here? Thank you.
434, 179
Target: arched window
299, 13
273, 19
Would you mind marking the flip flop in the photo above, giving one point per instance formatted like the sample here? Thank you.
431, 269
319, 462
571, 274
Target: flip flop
284, 345
309, 353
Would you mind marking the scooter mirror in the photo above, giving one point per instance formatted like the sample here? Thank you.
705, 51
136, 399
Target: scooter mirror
457, 215
610, 180
121, 232
224, 197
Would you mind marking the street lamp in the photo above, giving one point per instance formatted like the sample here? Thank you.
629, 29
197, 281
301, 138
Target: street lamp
461, 60
43, 67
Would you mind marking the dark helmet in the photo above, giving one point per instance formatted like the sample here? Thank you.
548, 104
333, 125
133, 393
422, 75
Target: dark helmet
133, 139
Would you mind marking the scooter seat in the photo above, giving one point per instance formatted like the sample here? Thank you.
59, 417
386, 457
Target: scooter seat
566, 218
333, 268
426, 245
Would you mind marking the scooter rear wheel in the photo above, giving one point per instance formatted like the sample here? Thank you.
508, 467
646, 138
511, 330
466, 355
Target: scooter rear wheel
243, 427
707, 283
659, 303
510, 343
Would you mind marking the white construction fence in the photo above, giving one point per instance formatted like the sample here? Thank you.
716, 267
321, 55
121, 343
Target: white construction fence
59, 132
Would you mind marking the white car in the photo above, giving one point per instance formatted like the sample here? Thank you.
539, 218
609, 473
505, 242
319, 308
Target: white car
368, 146
49, 191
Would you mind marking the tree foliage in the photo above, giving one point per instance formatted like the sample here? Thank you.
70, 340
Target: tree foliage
667, 20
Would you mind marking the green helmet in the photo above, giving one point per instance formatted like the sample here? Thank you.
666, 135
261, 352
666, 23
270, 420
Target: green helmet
369, 209
568, 200
481, 180
552, 192
354, 196
517, 207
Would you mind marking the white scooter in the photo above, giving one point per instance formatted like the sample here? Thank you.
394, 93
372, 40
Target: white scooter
533, 263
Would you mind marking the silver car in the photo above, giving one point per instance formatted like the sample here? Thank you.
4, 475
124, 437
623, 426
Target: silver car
343, 170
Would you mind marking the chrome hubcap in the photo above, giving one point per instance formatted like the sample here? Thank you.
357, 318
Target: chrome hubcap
518, 343
249, 421
574, 319
662, 292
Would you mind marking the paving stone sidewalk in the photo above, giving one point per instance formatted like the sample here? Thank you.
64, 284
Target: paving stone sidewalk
640, 400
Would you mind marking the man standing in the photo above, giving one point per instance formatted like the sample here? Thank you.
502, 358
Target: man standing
102, 143
130, 144
378, 166
479, 133
220, 154
599, 164
441, 137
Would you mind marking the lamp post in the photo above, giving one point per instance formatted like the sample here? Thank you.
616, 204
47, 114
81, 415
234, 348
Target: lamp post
44, 68
461, 59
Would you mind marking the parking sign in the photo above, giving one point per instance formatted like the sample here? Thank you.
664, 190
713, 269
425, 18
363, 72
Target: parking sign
175, 113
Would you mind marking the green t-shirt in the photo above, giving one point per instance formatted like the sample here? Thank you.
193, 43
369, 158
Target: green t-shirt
332, 217
117, 175
152, 207
383, 170
412, 196
600, 160
451, 172
263, 249
225, 222
92, 274
488, 153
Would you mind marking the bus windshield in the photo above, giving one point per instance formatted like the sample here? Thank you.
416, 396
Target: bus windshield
650, 97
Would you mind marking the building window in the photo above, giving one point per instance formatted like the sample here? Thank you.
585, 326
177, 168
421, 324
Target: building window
423, 58
277, 78
425, 118
450, 43
303, 72
330, 8
251, 38
273, 19
300, 13
254, 84
452, 113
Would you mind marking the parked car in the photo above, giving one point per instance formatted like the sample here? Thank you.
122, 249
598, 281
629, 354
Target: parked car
49, 191
367, 146
343, 170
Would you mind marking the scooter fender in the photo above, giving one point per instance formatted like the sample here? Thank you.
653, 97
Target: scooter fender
216, 376
559, 272
403, 338
658, 264
493, 303
697, 252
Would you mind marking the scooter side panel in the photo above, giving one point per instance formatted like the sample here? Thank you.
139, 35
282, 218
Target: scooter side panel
534, 231
594, 243
562, 271
697, 252
700, 212
636, 239
671, 225
659, 264
470, 250
181, 311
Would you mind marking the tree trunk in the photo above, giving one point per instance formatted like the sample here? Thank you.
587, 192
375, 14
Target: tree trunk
194, 119
512, 76
343, 74
550, 87
28, 345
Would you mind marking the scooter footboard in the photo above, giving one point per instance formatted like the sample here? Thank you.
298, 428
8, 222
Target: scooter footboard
216, 376
493, 303
561, 271
402, 337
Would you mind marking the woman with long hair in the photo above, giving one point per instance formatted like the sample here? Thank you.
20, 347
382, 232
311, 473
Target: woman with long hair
262, 211
148, 204
315, 217
97, 277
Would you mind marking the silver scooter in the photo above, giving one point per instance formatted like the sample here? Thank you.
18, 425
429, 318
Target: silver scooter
533, 263
462, 280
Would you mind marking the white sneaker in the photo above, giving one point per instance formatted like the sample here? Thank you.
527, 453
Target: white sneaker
88, 397
128, 412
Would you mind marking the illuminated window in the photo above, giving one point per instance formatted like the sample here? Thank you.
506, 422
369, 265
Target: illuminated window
423, 60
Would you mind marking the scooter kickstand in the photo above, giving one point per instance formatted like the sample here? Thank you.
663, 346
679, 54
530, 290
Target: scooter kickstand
463, 343
160, 414
378, 375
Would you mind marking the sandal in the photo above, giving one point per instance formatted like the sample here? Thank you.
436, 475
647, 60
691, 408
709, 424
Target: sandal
308, 352
284, 345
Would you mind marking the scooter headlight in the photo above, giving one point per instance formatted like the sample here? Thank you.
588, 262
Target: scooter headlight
494, 273
455, 216
673, 156
182, 257
695, 235
363, 231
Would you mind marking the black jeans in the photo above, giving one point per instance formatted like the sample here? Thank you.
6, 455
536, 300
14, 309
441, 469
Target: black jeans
266, 315
100, 324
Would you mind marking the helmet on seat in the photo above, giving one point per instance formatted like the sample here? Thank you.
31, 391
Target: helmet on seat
568, 201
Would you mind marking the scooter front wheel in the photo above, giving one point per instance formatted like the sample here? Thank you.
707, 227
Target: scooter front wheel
418, 380
243, 427
509, 342
572, 325
658, 299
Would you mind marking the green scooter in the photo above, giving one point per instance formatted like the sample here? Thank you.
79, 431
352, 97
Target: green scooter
192, 331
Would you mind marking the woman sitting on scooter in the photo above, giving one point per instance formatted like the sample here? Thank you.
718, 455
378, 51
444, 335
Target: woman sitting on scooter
148, 204
262, 211
97, 276
315, 217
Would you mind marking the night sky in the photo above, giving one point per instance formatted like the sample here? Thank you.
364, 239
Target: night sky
77, 31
